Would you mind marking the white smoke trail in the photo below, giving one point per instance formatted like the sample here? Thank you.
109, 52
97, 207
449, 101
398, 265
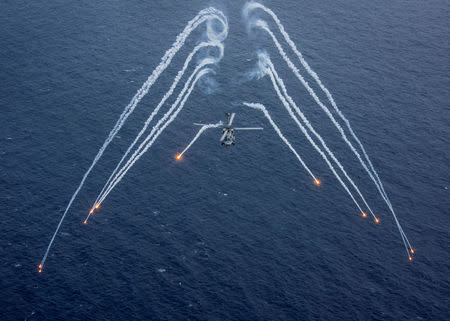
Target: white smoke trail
126, 167
266, 60
137, 152
254, 5
207, 15
311, 141
278, 131
161, 103
202, 129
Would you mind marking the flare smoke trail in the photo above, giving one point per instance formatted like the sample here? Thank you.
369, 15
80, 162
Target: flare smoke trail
266, 60
202, 129
206, 15
180, 74
278, 131
138, 152
149, 144
377, 181
311, 141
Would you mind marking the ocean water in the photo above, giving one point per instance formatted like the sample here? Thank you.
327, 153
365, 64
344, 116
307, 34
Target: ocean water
225, 234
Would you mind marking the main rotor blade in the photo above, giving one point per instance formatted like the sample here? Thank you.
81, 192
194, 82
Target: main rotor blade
220, 123
231, 119
249, 128
223, 136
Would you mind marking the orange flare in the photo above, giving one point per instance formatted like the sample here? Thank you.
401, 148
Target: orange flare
364, 214
97, 206
317, 181
91, 211
40, 271
377, 220
85, 222
179, 156
410, 258
412, 251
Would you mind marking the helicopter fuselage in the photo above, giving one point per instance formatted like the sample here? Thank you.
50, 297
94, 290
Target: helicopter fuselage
229, 138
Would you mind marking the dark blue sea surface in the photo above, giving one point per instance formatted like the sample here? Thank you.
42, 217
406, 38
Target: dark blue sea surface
226, 234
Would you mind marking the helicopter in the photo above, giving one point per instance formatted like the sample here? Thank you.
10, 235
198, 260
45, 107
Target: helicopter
228, 139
